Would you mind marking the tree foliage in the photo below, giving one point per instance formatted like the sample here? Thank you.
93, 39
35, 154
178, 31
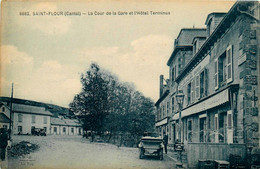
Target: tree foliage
107, 105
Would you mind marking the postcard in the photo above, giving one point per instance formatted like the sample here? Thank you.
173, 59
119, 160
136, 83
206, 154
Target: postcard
129, 84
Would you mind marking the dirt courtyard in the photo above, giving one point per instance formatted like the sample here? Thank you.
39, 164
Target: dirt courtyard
75, 152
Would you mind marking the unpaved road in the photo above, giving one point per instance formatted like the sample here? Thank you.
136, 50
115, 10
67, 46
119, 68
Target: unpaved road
74, 152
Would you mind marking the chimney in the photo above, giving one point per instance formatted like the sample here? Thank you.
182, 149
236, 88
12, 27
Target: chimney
161, 85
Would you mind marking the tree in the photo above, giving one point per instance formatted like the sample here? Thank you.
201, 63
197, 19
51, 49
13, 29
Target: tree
92, 103
106, 105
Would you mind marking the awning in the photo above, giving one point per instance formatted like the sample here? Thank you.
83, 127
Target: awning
209, 103
162, 122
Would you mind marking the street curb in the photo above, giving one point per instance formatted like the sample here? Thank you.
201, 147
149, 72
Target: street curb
171, 158
175, 160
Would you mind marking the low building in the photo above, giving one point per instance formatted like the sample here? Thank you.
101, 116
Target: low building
63, 126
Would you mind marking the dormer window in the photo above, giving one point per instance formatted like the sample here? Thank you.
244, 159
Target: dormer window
209, 27
195, 49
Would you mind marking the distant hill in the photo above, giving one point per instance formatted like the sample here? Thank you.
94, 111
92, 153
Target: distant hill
54, 109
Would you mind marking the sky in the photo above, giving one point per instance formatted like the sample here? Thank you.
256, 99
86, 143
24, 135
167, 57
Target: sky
44, 55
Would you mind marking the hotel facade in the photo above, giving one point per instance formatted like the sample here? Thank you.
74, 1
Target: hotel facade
217, 70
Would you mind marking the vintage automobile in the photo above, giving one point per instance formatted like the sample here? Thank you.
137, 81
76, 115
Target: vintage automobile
38, 132
152, 145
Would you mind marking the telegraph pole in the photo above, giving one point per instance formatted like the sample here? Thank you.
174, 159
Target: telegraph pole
11, 109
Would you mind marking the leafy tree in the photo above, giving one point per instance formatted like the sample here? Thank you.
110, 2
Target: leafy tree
106, 105
92, 102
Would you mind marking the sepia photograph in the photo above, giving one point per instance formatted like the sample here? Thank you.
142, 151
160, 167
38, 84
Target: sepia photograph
130, 84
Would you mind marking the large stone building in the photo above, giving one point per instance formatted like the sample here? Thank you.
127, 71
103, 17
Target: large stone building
217, 70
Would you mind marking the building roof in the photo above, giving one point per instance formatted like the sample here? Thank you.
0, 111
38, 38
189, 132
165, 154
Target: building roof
54, 109
64, 122
218, 14
222, 26
4, 118
186, 35
21, 108
57, 121
72, 122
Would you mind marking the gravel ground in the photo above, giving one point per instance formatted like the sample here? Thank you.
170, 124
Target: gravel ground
75, 152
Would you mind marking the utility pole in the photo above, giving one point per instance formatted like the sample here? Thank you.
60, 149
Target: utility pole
11, 109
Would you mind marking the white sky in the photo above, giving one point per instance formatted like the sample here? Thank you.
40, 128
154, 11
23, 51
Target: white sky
44, 55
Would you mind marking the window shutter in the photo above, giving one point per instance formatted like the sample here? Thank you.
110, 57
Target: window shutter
205, 82
192, 90
216, 74
197, 81
229, 64
229, 119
